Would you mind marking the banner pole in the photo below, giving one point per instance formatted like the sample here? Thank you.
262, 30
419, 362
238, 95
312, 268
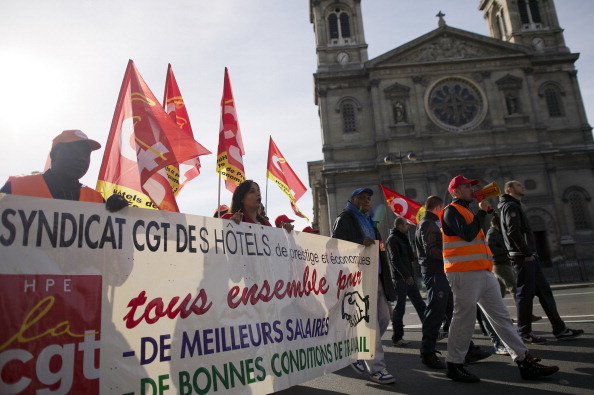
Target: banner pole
219, 197
266, 197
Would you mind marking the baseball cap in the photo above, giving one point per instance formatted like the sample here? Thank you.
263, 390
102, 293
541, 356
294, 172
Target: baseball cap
309, 229
70, 136
460, 180
282, 218
361, 190
223, 209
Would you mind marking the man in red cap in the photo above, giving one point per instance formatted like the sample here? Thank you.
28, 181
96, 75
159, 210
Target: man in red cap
468, 265
70, 158
282, 221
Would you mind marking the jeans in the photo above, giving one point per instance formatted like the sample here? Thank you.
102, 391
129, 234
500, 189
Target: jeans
531, 281
403, 290
438, 293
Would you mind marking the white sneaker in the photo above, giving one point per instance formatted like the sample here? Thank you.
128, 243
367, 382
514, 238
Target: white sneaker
359, 367
382, 377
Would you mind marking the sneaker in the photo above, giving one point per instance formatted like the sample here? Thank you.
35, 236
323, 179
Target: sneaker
536, 318
476, 354
359, 367
532, 338
501, 350
457, 372
442, 335
401, 343
569, 334
531, 369
432, 360
382, 377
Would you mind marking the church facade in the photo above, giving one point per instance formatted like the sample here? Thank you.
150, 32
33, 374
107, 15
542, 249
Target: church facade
495, 108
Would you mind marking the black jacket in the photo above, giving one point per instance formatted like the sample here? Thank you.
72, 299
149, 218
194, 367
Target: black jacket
346, 227
515, 227
401, 254
497, 246
429, 244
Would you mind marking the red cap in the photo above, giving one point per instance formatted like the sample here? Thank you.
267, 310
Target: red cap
223, 209
70, 136
460, 180
309, 229
282, 218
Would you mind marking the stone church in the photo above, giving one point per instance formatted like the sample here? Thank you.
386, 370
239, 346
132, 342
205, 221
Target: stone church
494, 108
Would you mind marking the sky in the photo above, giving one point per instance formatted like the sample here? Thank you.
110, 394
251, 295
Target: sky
62, 63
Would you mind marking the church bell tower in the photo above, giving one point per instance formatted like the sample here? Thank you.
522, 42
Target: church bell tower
338, 27
533, 23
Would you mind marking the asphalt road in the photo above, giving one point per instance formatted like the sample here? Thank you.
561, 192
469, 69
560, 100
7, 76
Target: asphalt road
499, 374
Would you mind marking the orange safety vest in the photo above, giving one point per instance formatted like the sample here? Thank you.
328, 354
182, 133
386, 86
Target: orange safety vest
34, 185
460, 255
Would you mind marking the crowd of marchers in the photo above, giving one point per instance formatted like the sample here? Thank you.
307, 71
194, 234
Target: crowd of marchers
466, 272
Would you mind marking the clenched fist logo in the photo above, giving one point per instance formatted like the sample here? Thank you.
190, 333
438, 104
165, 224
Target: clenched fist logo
355, 308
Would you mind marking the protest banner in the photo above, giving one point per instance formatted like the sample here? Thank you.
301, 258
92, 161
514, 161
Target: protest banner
156, 302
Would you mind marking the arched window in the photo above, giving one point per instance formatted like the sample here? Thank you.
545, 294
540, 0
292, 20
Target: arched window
333, 25
553, 94
339, 26
529, 13
349, 122
578, 202
553, 101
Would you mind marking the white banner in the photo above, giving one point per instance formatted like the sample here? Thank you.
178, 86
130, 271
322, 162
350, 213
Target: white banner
153, 302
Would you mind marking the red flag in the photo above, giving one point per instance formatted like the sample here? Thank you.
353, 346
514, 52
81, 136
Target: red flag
230, 152
282, 174
173, 102
142, 140
279, 171
403, 206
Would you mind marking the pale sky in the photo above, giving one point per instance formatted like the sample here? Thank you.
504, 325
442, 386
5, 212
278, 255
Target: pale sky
62, 64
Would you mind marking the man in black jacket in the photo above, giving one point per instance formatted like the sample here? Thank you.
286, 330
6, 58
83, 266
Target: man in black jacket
428, 242
355, 224
530, 279
401, 258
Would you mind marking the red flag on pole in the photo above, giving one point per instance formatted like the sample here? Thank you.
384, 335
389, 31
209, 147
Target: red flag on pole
279, 171
173, 102
230, 152
142, 140
403, 206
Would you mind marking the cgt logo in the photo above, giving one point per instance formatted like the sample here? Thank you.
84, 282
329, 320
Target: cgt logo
49, 341
355, 308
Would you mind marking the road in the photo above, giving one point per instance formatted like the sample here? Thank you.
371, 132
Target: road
498, 373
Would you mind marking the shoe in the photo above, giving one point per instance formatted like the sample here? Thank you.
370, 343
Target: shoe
476, 354
442, 335
531, 369
382, 377
536, 318
532, 338
569, 334
457, 372
401, 343
359, 367
432, 360
501, 350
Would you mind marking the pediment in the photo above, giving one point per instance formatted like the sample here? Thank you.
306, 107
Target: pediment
448, 44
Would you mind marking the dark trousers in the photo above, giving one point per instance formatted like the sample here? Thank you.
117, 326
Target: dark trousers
438, 294
530, 282
403, 290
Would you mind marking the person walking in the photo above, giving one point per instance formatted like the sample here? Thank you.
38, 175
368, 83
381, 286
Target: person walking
402, 258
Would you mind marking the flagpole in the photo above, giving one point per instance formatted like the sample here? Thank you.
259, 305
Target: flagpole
219, 196
266, 197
